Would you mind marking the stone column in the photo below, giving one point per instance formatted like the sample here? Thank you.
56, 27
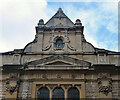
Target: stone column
1, 90
40, 41
52, 41
50, 94
82, 92
24, 88
65, 94
78, 41
34, 90
66, 41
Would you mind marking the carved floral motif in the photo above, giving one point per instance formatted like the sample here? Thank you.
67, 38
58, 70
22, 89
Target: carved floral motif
10, 88
105, 89
12, 84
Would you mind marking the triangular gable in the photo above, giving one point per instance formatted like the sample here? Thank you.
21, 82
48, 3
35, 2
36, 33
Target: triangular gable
59, 60
59, 19
60, 14
58, 63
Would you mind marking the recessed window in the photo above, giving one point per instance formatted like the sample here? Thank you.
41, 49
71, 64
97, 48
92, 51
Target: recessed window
43, 94
58, 94
59, 44
73, 94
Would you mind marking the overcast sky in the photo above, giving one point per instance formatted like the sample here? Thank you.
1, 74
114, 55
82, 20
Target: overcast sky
18, 19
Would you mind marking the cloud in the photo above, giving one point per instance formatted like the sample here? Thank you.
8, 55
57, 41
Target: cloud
109, 14
97, 21
83, 0
88, 18
18, 20
111, 45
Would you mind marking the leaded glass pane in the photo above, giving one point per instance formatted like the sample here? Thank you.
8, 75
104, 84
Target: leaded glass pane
43, 94
58, 94
73, 94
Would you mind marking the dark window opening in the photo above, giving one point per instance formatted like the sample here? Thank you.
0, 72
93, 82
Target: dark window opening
43, 94
73, 94
59, 43
58, 94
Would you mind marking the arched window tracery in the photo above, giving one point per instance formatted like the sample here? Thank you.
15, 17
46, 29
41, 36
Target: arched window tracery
73, 94
43, 94
58, 93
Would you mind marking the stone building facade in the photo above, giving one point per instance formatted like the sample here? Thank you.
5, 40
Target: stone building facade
60, 63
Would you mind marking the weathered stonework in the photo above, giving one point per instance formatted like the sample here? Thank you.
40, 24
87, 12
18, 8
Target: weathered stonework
92, 89
115, 90
60, 58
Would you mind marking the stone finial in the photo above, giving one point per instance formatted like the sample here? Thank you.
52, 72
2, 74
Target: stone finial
60, 10
41, 22
78, 22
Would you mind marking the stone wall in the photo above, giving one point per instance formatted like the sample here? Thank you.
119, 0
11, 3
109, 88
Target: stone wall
25, 90
115, 89
91, 89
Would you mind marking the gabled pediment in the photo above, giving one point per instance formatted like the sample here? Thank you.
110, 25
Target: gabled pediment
58, 63
59, 60
59, 20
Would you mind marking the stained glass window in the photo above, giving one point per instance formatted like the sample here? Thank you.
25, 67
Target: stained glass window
43, 94
73, 94
58, 94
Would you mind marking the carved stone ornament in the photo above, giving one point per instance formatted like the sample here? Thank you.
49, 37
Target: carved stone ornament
44, 76
105, 89
58, 76
104, 75
12, 88
51, 86
13, 75
73, 76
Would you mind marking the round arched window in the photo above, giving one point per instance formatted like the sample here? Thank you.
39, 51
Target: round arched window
59, 44
58, 94
43, 94
73, 94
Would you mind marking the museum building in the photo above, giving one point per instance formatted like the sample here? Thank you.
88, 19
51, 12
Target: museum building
60, 64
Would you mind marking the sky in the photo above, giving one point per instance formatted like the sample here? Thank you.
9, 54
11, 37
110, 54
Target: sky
18, 19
